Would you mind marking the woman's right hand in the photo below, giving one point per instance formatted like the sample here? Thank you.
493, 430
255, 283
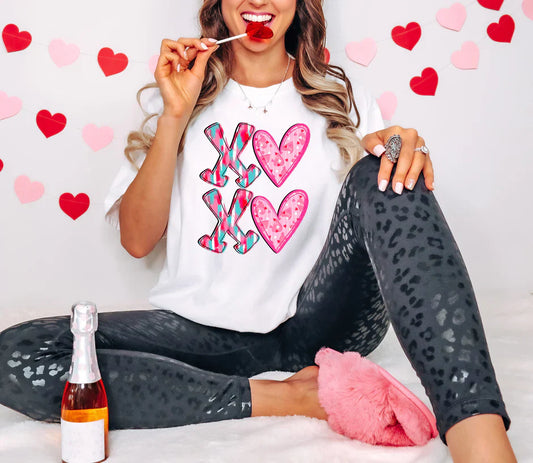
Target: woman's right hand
179, 85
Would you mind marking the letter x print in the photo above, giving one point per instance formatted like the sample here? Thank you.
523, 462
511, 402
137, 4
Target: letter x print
229, 156
227, 222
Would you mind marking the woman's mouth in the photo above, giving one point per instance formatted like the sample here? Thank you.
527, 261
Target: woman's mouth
264, 18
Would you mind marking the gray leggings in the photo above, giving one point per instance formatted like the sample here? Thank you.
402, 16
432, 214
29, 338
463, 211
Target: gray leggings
387, 257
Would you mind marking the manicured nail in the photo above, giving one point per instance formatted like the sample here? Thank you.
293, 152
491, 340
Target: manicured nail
212, 40
204, 46
379, 150
410, 184
398, 188
383, 185
178, 67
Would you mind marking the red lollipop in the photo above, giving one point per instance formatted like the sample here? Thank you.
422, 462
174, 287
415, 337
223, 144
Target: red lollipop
254, 30
258, 31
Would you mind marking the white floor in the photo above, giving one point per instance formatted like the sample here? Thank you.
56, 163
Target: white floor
508, 320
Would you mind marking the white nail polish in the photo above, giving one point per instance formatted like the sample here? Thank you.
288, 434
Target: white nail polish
212, 40
378, 150
398, 188
204, 46
383, 185
410, 184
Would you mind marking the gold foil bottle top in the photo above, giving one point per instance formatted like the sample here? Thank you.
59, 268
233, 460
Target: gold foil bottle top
84, 319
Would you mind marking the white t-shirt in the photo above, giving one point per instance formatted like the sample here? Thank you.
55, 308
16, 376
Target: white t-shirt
251, 206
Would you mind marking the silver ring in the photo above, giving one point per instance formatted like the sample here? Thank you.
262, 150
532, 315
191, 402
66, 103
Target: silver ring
423, 149
393, 147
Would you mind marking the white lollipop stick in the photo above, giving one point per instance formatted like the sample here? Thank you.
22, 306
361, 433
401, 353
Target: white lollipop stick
240, 36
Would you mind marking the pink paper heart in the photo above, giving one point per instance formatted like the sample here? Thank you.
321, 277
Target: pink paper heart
527, 8
9, 106
152, 63
388, 103
467, 57
26, 190
97, 137
362, 52
63, 54
276, 228
452, 18
279, 162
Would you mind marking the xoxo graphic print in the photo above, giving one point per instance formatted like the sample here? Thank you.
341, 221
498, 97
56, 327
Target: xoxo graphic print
278, 162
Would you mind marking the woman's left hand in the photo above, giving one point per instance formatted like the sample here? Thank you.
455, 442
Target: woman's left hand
410, 162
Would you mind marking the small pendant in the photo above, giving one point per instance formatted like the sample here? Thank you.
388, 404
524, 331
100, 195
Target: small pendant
265, 110
250, 106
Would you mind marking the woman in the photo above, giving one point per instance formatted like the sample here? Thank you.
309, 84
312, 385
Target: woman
248, 284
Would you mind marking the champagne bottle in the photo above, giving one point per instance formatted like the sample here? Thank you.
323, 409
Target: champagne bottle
84, 414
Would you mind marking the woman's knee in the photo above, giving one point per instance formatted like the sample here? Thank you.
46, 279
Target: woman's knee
33, 367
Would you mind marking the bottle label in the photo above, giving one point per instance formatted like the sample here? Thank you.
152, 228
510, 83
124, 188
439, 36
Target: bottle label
82, 442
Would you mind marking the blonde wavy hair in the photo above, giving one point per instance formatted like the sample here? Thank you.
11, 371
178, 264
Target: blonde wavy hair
331, 98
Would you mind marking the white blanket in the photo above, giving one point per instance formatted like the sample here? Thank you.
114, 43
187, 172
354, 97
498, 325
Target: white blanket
508, 321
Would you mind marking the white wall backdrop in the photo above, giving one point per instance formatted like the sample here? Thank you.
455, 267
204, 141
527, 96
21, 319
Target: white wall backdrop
478, 126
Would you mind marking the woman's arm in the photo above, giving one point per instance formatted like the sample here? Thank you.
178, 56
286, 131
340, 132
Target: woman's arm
145, 206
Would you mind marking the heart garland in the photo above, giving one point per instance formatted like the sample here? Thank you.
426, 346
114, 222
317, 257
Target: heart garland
111, 63
26, 190
63, 54
425, 84
452, 18
491, 4
49, 124
74, 206
9, 106
467, 57
14, 39
407, 37
503, 30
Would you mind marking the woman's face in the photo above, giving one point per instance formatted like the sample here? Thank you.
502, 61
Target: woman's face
275, 14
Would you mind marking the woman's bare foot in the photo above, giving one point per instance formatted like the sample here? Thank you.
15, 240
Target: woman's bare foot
297, 395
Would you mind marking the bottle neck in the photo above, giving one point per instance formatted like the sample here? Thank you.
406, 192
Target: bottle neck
84, 367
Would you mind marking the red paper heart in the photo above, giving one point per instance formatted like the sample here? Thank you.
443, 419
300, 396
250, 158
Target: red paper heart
74, 206
50, 125
15, 40
503, 30
491, 4
426, 84
408, 36
256, 30
327, 56
110, 62
1, 165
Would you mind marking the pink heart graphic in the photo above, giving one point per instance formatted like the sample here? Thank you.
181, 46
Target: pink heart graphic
26, 190
527, 8
452, 18
388, 103
9, 106
97, 137
362, 52
279, 162
467, 57
277, 228
63, 54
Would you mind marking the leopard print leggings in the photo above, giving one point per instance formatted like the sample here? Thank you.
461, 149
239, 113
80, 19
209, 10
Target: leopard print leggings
387, 257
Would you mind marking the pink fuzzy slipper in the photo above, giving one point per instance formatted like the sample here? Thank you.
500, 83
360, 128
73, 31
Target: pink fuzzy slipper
364, 402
